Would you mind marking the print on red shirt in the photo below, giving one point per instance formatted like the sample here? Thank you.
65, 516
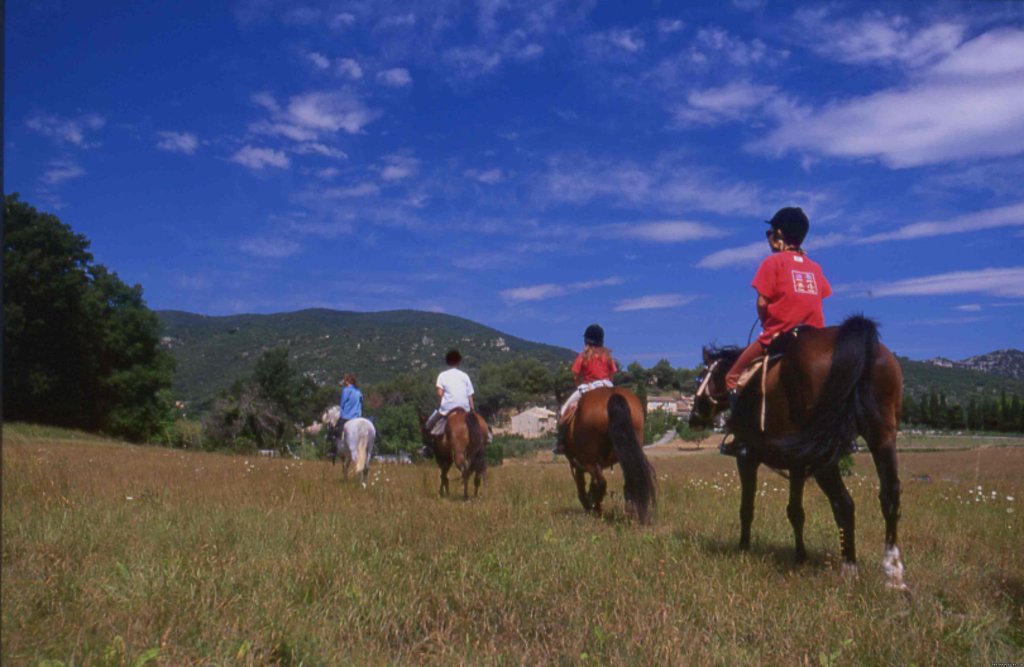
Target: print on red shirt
804, 283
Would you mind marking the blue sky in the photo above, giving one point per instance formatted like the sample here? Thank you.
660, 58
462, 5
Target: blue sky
536, 166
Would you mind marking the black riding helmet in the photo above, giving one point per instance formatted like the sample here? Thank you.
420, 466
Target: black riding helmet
594, 335
792, 224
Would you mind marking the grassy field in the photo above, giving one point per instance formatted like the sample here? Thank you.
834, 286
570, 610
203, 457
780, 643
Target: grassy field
122, 555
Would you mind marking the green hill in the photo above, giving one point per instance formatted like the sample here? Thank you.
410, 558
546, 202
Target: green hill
958, 384
213, 352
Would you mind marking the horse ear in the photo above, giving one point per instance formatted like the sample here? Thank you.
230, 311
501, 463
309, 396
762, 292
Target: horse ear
707, 356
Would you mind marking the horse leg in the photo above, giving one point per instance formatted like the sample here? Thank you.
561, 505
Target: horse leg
598, 487
477, 479
889, 497
748, 488
795, 511
444, 478
831, 482
579, 476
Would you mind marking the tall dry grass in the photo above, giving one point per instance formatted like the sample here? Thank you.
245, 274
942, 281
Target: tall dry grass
122, 555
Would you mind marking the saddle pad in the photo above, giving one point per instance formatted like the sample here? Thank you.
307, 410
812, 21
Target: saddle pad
749, 372
439, 426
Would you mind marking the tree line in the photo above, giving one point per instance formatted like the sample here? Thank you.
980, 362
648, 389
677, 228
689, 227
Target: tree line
932, 409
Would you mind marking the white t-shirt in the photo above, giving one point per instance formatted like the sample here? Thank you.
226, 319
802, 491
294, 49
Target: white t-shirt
457, 389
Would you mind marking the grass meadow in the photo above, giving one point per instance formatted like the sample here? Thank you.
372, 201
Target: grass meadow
125, 555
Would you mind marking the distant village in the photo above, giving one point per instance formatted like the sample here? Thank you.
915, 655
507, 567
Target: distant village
537, 422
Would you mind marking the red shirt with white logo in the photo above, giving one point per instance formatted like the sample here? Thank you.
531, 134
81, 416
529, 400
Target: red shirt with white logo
594, 367
794, 287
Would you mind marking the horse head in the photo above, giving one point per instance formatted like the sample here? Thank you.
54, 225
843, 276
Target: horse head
711, 396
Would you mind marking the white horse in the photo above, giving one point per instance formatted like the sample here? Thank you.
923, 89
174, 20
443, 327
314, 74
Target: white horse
357, 446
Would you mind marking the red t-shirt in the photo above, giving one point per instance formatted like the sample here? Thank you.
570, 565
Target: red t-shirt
597, 367
794, 287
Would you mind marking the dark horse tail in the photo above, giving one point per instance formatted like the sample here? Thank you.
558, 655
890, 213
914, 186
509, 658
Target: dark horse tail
639, 476
475, 455
846, 403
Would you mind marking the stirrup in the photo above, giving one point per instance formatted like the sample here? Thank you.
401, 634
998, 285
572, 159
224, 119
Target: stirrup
731, 447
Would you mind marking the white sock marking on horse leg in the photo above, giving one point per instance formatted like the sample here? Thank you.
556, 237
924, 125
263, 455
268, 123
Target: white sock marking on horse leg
893, 567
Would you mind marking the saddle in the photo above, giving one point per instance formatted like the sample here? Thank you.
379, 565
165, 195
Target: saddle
776, 350
438, 429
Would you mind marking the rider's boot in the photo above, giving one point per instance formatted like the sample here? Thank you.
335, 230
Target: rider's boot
559, 448
732, 447
427, 450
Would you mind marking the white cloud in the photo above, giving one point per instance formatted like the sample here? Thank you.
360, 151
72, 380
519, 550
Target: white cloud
287, 130
654, 301
270, 248
471, 62
551, 290
59, 171
628, 40
669, 26
73, 131
663, 231
717, 44
877, 38
364, 189
661, 183
266, 100
740, 256
330, 111
178, 142
726, 103
963, 108
350, 68
969, 307
488, 176
1006, 216
309, 116
398, 21
395, 77
258, 158
319, 60
399, 167
342, 20
1007, 282
754, 252
314, 148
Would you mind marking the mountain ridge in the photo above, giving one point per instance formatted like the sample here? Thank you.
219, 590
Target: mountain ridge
213, 351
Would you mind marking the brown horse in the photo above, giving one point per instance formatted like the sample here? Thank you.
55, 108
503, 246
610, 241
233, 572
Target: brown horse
830, 386
462, 443
608, 428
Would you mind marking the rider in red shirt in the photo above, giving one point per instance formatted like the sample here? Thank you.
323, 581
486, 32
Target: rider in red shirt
790, 288
594, 367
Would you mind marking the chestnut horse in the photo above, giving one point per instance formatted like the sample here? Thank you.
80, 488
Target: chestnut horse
462, 443
830, 386
608, 428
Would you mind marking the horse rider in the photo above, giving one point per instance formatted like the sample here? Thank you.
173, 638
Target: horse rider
351, 400
790, 288
454, 390
594, 367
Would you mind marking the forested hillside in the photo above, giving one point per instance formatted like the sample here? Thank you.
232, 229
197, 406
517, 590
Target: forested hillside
214, 352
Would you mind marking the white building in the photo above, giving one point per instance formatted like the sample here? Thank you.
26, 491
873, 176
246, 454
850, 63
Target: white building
534, 423
676, 406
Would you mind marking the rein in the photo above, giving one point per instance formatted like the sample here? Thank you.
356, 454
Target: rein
702, 389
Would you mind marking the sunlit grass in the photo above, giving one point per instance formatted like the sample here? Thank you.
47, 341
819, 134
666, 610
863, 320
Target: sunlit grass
115, 554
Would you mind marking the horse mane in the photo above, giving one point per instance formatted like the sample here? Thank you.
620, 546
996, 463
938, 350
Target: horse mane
728, 353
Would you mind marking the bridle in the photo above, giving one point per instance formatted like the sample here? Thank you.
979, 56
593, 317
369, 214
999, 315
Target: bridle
704, 383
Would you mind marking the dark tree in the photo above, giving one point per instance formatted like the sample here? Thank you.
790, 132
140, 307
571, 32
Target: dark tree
81, 349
